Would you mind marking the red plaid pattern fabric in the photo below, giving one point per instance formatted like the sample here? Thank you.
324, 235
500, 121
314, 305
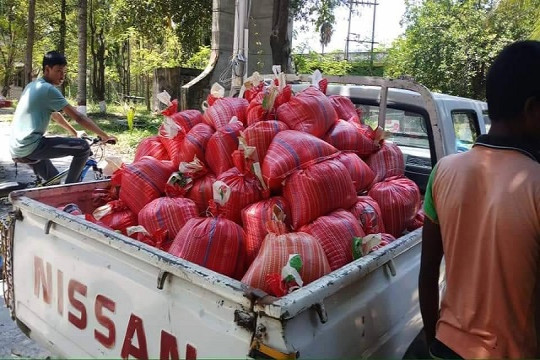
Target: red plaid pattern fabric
254, 218
220, 147
187, 119
292, 150
274, 255
310, 111
245, 190
335, 232
144, 181
261, 134
170, 214
387, 162
151, 146
195, 142
255, 111
202, 192
173, 146
417, 221
318, 190
344, 107
361, 174
368, 213
120, 218
399, 200
222, 111
345, 136
215, 243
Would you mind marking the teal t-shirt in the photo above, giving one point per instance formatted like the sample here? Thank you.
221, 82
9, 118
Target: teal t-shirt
38, 100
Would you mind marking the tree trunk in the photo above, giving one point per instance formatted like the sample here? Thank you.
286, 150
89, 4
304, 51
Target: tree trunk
148, 92
29, 42
279, 38
82, 33
7, 54
62, 42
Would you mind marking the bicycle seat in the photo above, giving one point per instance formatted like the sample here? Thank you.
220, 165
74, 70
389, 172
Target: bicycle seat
25, 160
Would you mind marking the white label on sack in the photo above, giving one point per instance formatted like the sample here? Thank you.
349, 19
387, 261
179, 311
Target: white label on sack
102, 211
288, 270
217, 90
315, 78
113, 163
222, 192
369, 242
164, 97
137, 229
191, 167
170, 128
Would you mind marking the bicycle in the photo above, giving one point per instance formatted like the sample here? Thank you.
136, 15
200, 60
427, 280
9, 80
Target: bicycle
91, 163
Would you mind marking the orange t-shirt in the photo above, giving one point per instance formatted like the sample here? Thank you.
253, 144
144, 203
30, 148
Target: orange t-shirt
487, 202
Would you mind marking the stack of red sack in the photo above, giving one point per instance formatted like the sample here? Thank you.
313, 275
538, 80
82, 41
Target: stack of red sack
270, 184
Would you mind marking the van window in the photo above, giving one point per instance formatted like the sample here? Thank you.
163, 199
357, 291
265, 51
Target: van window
487, 120
404, 128
466, 129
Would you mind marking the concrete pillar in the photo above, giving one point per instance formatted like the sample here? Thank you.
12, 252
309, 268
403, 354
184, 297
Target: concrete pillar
260, 27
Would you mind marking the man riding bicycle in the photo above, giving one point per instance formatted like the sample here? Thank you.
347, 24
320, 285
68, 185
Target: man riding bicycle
39, 102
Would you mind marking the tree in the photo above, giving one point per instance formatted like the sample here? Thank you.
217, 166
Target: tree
29, 42
97, 21
11, 31
82, 37
449, 45
62, 37
279, 38
326, 34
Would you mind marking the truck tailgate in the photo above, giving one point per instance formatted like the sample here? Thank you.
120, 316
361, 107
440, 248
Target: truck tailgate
84, 291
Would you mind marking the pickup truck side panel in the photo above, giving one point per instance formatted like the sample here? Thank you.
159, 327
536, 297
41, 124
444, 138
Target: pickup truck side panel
88, 294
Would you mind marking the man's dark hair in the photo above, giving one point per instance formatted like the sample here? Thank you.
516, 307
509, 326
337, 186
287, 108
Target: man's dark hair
513, 78
54, 58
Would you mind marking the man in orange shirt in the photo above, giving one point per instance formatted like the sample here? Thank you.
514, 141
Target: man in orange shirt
483, 214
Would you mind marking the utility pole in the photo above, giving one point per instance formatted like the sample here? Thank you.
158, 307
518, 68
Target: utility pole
352, 7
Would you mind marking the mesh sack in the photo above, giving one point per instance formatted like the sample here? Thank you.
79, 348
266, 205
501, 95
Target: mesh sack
368, 213
387, 162
151, 146
223, 110
399, 200
221, 146
194, 144
261, 134
335, 232
318, 190
347, 137
361, 174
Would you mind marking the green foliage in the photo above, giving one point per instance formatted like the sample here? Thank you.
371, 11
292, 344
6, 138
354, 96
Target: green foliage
328, 64
200, 59
449, 45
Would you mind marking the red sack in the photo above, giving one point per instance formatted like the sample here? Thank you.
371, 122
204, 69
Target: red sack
335, 232
151, 146
168, 214
215, 243
290, 151
201, 192
418, 220
195, 142
187, 119
254, 218
144, 181
180, 182
102, 196
222, 111
361, 174
253, 91
242, 187
310, 111
368, 213
345, 136
387, 162
171, 109
116, 215
318, 190
257, 112
274, 255
399, 200
261, 134
221, 146
344, 107
174, 129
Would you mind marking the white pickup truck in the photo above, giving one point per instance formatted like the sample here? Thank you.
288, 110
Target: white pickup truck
84, 291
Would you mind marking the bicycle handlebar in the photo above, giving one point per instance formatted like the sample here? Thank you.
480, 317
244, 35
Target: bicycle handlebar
96, 140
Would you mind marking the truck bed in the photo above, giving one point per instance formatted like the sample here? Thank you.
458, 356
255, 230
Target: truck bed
84, 291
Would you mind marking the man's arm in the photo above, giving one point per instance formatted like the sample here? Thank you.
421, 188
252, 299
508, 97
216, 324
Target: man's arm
87, 123
60, 120
428, 282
